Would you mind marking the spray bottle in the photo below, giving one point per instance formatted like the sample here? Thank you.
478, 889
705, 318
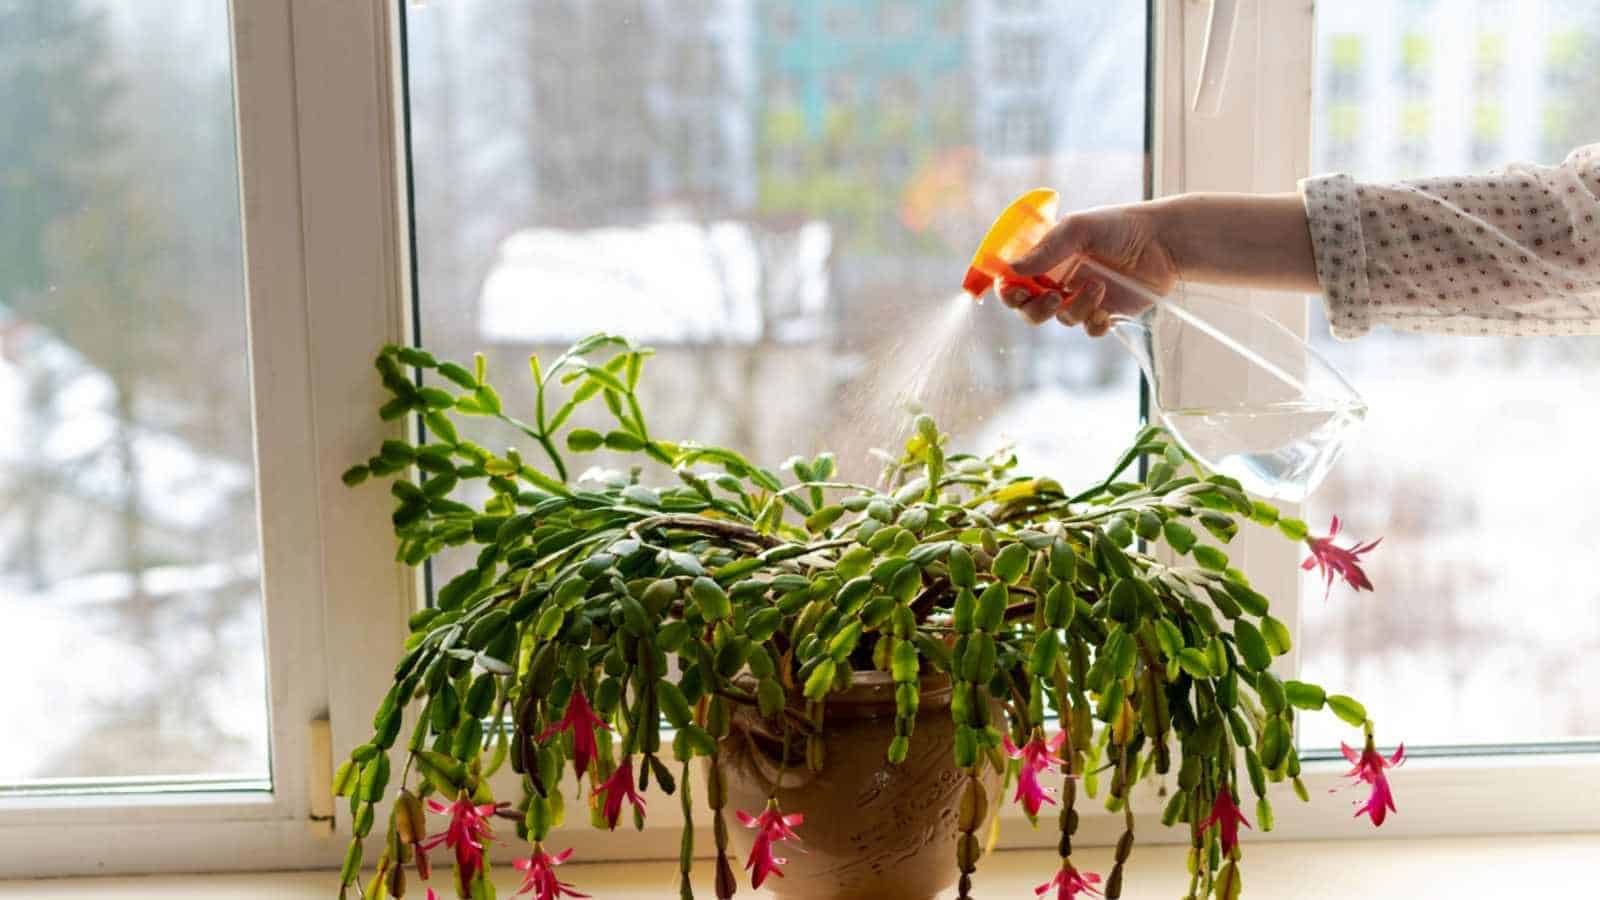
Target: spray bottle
1243, 394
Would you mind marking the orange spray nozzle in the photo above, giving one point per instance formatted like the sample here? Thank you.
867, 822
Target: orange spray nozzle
982, 275
1014, 232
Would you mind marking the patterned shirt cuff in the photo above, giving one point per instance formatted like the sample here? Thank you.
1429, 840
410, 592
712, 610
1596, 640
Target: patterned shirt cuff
1333, 212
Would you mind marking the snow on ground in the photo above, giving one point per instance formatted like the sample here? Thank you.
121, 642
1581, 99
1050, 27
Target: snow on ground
72, 672
75, 674
666, 282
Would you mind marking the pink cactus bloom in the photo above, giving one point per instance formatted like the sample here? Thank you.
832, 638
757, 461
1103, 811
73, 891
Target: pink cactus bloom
539, 878
1227, 817
579, 718
771, 827
1368, 768
1338, 562
466, 834
1069, 883
617, 788
1037, 755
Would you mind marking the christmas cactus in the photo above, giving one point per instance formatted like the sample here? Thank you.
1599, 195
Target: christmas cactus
610, 624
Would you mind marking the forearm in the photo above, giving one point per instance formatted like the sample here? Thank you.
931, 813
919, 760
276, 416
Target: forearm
1508, 252
1247, 240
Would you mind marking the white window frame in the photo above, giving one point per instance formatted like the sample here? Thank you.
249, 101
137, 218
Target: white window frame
326, 250
324, 243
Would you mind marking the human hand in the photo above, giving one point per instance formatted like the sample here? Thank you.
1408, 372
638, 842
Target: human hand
1126, 238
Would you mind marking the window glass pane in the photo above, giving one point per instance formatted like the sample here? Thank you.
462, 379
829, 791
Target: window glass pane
128, 545
1473, 467
778, 196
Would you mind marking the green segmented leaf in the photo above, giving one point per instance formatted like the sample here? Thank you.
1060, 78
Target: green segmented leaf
1348, 709
1169, 638
1210, 557
1229, 883
1046, 650
442, 770
769, 696
674, 706
1303, 695
1293, 529
1010, 563
345, 778
991, 607
1252, 646
963, 573
1222, 527
457, 374
1193, 661
1277, 636
820, 682
1270, 690
583, 440
1063, 562
1276, 739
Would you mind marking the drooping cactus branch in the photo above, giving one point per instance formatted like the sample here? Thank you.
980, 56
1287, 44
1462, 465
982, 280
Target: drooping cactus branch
607, 623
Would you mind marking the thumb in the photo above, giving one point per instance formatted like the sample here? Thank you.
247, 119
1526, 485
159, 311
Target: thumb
1070, 236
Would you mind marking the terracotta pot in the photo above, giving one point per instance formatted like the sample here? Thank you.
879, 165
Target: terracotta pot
872, 831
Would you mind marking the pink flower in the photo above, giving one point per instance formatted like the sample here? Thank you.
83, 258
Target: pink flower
540, 880
1037, 755
1069, 883
1228, 818
1338, 562
771, 827
466, 834
1368, 769
579, 718
617, 788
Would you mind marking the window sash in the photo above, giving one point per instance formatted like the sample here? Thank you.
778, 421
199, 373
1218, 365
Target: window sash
323, 247
1260, 141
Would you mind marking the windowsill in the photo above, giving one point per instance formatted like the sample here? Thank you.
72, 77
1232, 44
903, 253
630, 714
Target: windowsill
1539, 865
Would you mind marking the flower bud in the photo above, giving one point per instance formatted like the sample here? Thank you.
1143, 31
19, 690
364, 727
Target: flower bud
1114, 883
974, 804
409, 820
727, 885
967, 852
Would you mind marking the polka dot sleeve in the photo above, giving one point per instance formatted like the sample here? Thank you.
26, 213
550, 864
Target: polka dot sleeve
1510, 253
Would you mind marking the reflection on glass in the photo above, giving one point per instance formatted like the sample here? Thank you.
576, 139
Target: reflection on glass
778, 196
128, 574
1473, 466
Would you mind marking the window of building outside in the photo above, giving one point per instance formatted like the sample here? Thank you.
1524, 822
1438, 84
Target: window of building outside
1017, 58
898, 18
1022, 131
